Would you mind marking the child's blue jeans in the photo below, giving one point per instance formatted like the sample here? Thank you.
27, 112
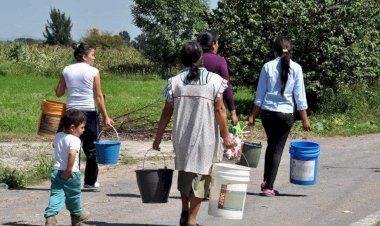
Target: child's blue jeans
64, 191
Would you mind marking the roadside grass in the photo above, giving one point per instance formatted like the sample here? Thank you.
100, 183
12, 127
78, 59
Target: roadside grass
22, 96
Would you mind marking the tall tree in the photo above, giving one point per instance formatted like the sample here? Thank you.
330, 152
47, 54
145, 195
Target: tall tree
167, 24
139, 42
125, 36
333, 40
58, 30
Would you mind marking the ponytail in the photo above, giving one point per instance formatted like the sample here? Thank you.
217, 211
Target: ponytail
81, 49
282, 46
191, 56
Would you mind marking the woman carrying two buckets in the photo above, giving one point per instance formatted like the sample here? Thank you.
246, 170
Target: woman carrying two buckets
280, 88
195, 98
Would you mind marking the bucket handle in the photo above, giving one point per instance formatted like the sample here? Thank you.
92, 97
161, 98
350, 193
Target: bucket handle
246, 160
117, 135
151, 149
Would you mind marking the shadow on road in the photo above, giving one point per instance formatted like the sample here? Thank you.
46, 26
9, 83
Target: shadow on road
18, 223
33, 189
135, 196
98, 223
280, 194
375, 169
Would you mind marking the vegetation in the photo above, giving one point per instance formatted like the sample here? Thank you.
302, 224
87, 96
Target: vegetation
19, 58
337, 43
167, 24
104, 40
58, 30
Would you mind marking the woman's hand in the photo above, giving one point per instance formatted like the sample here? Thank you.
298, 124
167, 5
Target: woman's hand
156, 144
228, 142
108, 121
251, 120
306, 125
234, 118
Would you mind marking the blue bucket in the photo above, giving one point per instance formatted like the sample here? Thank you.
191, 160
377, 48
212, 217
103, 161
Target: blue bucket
107, 151
303, 162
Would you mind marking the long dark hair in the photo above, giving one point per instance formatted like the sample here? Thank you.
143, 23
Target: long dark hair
191, 56
207, 38
81, 49
283, 47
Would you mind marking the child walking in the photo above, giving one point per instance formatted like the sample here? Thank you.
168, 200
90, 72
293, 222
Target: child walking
65, 176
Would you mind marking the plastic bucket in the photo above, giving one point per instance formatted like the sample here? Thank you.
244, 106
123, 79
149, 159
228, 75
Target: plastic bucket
154, 184
51, 114
303, 162
251, 154
107, 151
228, 190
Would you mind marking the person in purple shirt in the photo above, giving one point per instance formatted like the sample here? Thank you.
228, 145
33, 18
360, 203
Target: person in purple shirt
217, 64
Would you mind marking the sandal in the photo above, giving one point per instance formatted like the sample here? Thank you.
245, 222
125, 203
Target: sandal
184, 218
269, 192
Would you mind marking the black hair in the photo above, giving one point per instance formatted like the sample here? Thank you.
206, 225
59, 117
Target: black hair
81, 49
191, 56
207, 38
73, 117
283, 47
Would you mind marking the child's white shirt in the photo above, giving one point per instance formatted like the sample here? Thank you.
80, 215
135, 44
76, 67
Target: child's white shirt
63, 143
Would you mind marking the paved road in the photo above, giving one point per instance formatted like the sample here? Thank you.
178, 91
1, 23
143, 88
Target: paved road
347, 190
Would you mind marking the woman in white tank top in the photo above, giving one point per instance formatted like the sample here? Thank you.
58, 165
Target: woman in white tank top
84, 93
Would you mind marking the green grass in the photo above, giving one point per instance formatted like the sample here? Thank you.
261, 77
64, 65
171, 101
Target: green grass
22, 96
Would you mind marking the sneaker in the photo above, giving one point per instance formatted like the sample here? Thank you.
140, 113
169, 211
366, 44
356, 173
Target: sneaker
95, 186
51, 221
76, 221
263, 185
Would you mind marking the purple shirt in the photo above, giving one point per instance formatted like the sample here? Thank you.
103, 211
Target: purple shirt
218, 65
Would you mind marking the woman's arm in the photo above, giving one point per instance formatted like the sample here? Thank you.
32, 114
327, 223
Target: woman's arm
166, 115
100, 101
228, 94
61, 87
255, 112
221, 119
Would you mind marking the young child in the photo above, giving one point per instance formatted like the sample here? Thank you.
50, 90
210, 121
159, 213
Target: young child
65, 176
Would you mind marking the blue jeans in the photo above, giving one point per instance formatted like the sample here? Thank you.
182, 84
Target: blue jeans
64, 191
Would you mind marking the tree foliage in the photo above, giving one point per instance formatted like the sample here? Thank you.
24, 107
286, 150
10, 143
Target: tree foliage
103, 40
335, 41
139, 42
167, 24
58, 30
125, 36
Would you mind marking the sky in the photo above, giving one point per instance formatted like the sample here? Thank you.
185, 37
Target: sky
27, 18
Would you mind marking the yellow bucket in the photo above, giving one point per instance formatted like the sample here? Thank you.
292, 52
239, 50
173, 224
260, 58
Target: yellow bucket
51, 114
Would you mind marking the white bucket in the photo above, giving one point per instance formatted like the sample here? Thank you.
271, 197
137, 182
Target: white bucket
228, 190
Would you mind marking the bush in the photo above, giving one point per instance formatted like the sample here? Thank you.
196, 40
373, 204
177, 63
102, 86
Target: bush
12, 177
49, 61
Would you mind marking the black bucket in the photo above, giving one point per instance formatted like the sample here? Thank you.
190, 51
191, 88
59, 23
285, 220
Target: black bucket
154, 184
250, 155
